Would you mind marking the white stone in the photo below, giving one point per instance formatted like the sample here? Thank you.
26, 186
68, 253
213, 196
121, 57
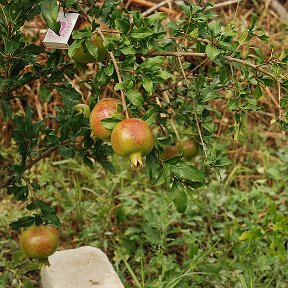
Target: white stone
83, 267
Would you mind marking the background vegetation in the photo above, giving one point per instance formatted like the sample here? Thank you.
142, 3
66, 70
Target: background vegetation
136, 223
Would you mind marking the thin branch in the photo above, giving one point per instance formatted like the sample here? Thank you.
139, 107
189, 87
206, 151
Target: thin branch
279, 100
179, 54
230, 2
117, 70
34, 161
255, 67
181, 79
228, 58
175, 130
123, 98
157, 6
151, 4
194, 110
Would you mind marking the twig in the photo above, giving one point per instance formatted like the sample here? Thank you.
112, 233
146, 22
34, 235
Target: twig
279, 99
123, 98
229, 58
34, 161
157, 6
224, 4
255, 67
175, 130
150, 4
177, 54
194, 110
182, 78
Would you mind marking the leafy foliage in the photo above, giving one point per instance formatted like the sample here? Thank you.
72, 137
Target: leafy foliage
169, 73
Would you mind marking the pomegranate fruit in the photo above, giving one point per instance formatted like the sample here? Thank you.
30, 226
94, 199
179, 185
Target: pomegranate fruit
82, 55
105, 108
189, 148
39, 242
132, 138
82, 109
169, 152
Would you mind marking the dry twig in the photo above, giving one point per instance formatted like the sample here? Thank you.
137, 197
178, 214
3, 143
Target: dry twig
151, 4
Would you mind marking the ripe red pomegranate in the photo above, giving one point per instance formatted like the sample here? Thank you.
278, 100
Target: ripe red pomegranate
105, 108
39, 241
189, 148
132, 138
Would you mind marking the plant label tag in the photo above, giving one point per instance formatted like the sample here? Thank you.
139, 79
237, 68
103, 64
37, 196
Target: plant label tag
69, 22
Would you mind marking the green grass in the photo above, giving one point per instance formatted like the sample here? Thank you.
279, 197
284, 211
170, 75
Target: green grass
148, 242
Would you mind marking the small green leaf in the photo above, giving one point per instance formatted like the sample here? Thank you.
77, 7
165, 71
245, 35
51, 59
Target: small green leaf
7, 110
51, 219
163, 74
128, 50
185, 171
179, 194
163, 176
254, 19
150, 117
101, 78
194, 33
119, 86
33, 49
257, 92
212, 52
45, 94
11, 46
148, 85
252, 234
123, 25
109, 70
110, 123
92, 49
84, 33
25, 221
135, 98
152, 62
49, 11
152, 165
74, 46
107, 165
209, 126
141, 33
156, 17
214, 27
232, 104
68, 92
45, 208
210, 96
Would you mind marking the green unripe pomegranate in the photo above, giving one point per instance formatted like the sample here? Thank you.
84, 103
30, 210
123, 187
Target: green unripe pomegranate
82, 55
169, 152
105, 108
39, 242
189, 148
132, 138
82, 109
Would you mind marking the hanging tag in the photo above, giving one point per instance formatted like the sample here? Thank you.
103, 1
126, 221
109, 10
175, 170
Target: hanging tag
69, 22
